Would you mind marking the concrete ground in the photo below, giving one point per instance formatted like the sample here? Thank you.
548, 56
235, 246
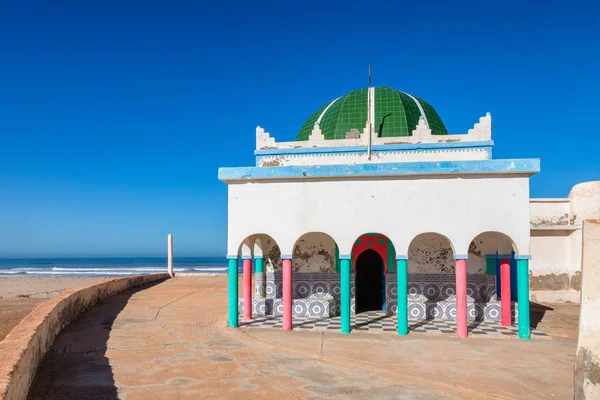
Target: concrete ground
170, 341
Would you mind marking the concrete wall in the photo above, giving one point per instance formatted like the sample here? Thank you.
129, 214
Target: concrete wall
556, 242
458, 207
587, 360
585, 201
25, 346
551, 212
551, 267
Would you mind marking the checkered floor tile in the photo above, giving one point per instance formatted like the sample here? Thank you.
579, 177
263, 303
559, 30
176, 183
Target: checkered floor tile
378, 321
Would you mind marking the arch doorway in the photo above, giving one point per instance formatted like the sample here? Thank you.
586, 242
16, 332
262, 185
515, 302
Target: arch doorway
369, 281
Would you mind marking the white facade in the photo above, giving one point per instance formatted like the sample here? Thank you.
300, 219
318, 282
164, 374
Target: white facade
402, 188
434, 197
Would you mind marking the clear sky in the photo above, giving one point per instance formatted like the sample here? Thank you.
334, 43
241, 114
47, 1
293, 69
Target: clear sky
115, 115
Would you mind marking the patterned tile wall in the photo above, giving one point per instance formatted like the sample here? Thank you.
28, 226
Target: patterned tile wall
430, 296
314, 308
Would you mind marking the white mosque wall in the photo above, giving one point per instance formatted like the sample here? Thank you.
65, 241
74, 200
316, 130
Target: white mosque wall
376, 157
458, 207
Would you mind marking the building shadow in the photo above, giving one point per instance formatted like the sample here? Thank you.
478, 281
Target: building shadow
76, 367
536, 313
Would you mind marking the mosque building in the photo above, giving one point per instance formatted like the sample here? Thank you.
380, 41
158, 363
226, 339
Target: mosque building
376, 207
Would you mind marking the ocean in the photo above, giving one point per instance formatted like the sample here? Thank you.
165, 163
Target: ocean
114, 266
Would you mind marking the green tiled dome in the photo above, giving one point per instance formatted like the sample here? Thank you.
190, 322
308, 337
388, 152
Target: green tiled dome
400, 110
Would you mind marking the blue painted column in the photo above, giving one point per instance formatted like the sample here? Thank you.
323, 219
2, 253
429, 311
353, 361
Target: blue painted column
402, 282
259, 262
233, 291
345, 268
523, 298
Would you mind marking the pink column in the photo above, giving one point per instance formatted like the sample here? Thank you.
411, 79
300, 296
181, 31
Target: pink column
505, 291
247, 289
287, 294
461, 298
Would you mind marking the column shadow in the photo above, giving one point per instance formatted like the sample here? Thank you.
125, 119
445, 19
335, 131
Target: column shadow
536, 313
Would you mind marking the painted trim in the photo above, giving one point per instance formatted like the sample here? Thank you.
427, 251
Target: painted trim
506, 166
488, 150
246, 257
522, 257
286, 257
419, 106
509, 256
494, 256
401, 257
555, 227
229, 257
460, 256
378, 148
345, 257
549, 200
258, 257
325, 110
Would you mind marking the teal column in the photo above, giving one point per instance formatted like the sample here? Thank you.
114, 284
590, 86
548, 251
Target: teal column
523, 296
345, 294
337, 259
233, 292
259, 265
402, 282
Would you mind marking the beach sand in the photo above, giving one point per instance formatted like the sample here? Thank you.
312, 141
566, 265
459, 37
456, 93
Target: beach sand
20, 295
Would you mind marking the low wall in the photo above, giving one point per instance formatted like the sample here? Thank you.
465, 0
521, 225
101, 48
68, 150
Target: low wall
587, 359
25, 346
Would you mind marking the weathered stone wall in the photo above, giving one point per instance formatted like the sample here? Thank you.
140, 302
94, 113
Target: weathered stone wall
430, 253
552, 269
547, 212
587, 360
272, 255
585, 201
314, 253
24, 347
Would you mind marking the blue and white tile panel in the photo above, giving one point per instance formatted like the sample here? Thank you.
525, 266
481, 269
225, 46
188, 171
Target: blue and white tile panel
313, 308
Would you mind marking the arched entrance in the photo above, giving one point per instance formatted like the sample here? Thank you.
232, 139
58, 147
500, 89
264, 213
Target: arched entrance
369, 281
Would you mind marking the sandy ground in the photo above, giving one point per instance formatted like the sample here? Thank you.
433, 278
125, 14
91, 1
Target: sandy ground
170, 341
20, 295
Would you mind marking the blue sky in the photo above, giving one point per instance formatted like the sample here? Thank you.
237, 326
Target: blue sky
115, 116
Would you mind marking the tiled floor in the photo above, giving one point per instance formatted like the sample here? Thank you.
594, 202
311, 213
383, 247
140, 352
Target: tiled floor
378, 321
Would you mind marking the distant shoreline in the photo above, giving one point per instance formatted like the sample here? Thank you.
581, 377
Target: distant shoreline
109, 266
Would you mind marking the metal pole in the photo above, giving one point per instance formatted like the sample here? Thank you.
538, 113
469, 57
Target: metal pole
369, 122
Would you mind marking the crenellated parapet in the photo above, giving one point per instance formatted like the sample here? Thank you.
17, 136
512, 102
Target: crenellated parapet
264, 139
482, 130
422, 145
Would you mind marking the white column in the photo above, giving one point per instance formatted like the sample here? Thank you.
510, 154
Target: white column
170, 254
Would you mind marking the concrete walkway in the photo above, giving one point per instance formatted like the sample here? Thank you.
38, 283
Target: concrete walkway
169, 341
